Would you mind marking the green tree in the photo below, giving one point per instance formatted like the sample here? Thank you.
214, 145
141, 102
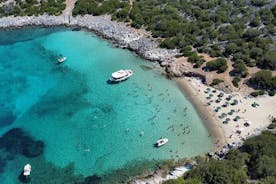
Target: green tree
263, 80
236, 81
216, 81
251, 34
217, 172
256, 21
240, 69
219, 64
269, 60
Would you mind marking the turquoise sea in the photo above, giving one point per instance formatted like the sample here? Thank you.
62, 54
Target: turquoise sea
71, 125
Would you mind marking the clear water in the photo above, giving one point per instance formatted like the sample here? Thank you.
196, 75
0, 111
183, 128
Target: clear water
80, 118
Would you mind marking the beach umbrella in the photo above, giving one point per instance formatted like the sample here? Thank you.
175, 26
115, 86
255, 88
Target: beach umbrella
235, 102
236, 118
255, 104
225, 105
225, 122
230, 113
239, 130
223, 114
208, 89
211, 95
232, 110
227, 119
221, 94
229, 97
218, 107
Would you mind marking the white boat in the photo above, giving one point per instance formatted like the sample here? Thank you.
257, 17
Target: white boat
161, 142
61, 60
120, 75
27, 170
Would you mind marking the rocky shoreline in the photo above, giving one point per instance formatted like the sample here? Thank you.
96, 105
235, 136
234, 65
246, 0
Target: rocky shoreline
120, 34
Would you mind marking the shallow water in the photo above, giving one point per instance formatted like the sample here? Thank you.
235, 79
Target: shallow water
79, 117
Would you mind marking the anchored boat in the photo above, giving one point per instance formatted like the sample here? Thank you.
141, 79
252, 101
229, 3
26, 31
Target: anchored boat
27, 170
161, 142
61, 60
120, 75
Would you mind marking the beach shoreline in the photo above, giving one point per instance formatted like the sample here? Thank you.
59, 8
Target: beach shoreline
230, 118
209, 121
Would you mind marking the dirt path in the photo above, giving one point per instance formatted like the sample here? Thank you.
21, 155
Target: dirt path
131, 2
67, 12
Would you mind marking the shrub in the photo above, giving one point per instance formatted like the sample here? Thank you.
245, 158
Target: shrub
254, 93
219, 64
176, 181
263, 80
240, 69
271, 93
216, 81
236, 81
197, 60
271, 126
257, 93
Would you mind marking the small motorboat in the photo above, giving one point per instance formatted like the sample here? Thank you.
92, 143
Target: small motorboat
27, 170
61, 60
120, 75
161, 142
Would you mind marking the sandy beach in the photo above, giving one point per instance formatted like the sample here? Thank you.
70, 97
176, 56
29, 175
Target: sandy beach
210, 121
230, 118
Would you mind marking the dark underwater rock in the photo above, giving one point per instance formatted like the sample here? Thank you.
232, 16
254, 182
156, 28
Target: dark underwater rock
16, 141
92, 179
6, 118
33, 149
76, 29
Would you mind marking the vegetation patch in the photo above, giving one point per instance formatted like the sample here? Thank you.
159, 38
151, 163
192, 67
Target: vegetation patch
216, 81
197, 60
256, 159
236, 81
32, 7
263, 80
257, 93
220, 65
